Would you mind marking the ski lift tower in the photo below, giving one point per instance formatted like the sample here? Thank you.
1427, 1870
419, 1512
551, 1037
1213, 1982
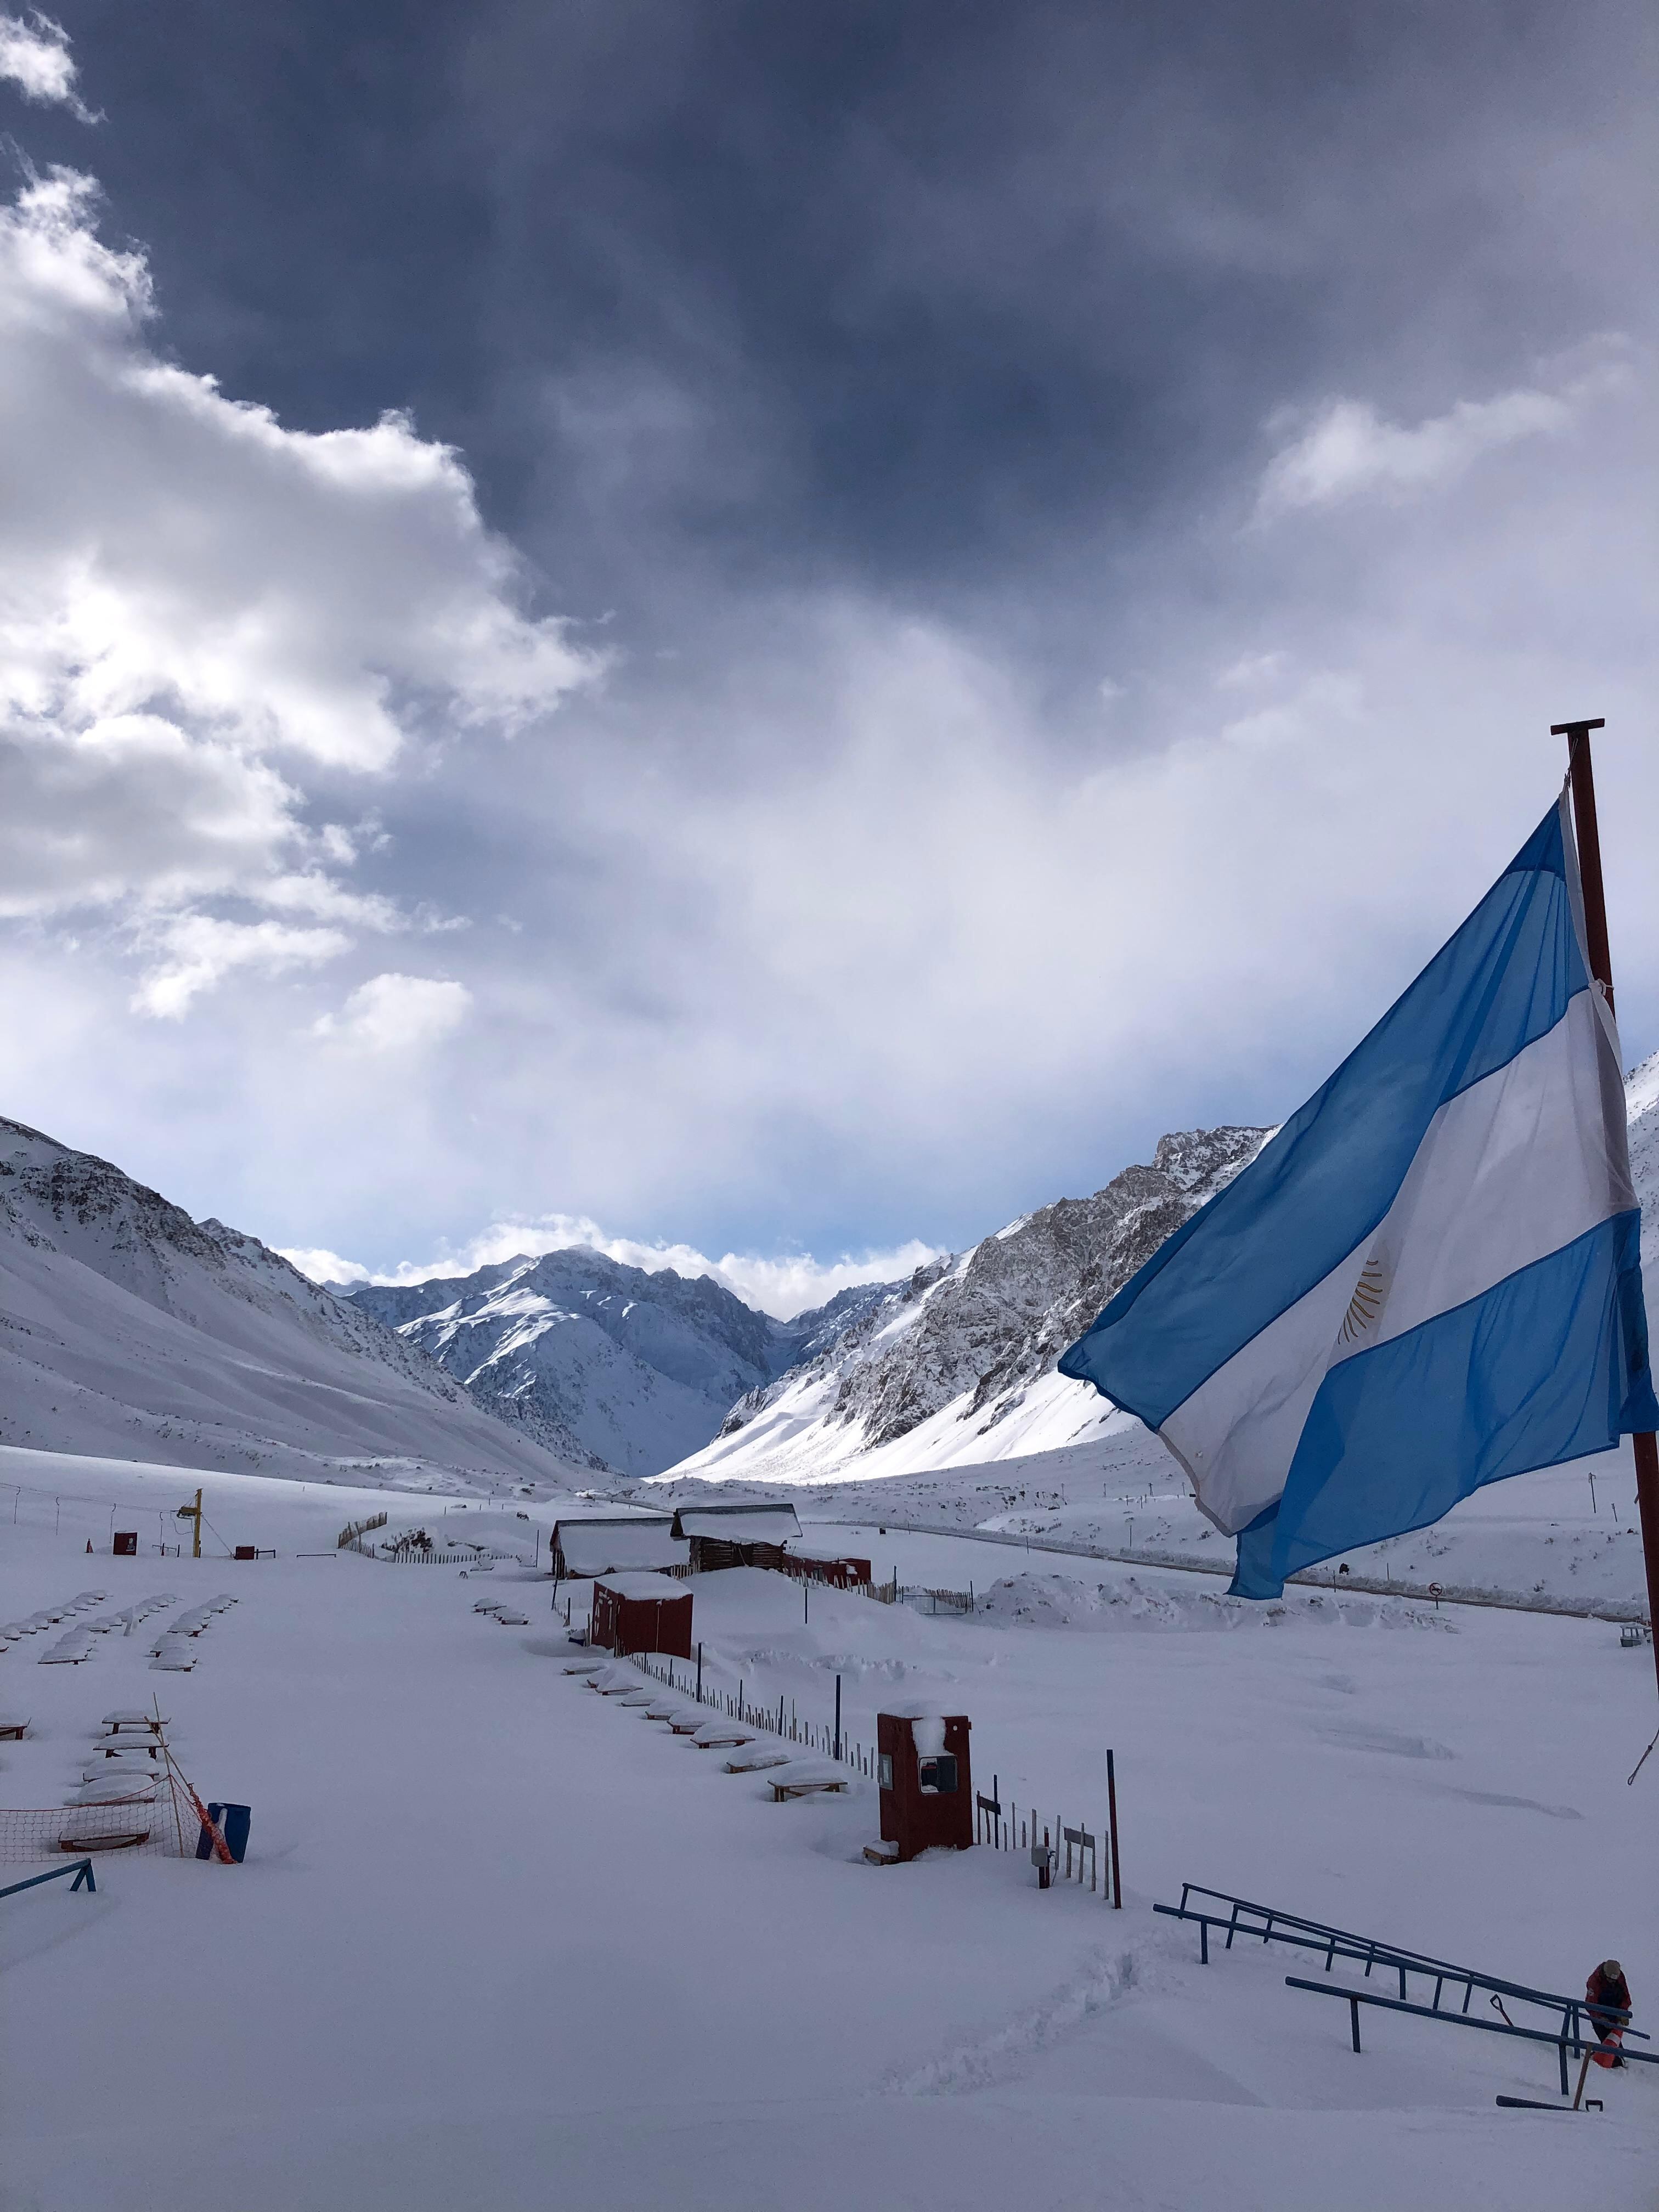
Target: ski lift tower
193, 1514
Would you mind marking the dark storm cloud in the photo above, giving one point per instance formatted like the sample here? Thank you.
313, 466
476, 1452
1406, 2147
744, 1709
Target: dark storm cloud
1091, 509
916, 292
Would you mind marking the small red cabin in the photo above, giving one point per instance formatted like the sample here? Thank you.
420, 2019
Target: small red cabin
926, 1788
641, 1612
813, 1564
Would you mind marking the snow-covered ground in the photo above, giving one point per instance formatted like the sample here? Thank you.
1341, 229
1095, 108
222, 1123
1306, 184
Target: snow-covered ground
500, 1943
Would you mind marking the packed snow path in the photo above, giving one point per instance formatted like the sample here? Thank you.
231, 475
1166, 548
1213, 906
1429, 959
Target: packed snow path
500, 1943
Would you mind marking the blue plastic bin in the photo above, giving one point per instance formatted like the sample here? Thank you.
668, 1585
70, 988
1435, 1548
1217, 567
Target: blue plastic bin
233, 1823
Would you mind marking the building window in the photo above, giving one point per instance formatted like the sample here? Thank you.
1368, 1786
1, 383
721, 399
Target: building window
938, 1775
885, 1770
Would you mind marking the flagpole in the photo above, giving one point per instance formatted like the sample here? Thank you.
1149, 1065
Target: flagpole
1582, 771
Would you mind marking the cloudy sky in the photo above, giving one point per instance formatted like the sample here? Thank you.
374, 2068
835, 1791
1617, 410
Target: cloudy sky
783, 632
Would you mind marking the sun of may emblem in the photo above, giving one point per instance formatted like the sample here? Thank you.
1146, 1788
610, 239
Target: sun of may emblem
1366, 1303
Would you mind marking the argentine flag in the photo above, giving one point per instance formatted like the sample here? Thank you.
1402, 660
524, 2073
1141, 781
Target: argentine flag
1429, 1279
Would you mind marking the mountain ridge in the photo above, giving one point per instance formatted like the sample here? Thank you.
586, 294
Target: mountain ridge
130, 1329
967, 1348
639, 1366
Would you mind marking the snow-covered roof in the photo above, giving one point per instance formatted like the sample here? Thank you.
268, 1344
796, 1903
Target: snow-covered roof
837, 1553
645, 1587
739, 1524
619, 1544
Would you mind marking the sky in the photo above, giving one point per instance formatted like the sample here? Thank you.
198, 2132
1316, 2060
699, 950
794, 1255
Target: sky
767, 637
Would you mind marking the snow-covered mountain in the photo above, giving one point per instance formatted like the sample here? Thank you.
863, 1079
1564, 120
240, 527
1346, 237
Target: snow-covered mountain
129, 1330
641, 1368
1642, 1103
958, 1365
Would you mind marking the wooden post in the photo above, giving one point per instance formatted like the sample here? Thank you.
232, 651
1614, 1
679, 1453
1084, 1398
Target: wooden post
1581, 769
838, 1717
1111, 1807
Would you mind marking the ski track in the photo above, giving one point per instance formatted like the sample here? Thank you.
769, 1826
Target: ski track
1107, 1977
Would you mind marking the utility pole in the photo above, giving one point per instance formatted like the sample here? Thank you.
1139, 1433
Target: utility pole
193, 1513
1581, 773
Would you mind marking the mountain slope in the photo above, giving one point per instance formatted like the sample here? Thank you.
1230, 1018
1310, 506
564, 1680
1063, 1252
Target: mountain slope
958, 1365
128, 1329
641, 1368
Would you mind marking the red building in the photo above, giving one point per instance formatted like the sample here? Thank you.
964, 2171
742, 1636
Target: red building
926, 1787
641, 1612
810, 1563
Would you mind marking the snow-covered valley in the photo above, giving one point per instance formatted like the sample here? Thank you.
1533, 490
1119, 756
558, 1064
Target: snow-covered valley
497, 1940
497, 1937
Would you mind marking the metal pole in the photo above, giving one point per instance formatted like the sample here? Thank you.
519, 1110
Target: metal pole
1582, 771
699, 1674
1111, 1809
838, 1717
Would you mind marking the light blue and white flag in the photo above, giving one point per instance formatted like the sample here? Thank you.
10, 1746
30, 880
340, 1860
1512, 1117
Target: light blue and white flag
1429, 1279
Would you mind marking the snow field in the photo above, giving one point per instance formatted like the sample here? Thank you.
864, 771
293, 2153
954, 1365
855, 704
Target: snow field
1565, 1537
501, 1942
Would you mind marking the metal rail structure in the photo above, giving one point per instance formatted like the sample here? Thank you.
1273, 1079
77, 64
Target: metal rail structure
1575, 2030
81, 1869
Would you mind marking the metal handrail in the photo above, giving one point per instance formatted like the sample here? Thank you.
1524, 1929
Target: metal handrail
1578, 2022
81, 1869
1563, 2042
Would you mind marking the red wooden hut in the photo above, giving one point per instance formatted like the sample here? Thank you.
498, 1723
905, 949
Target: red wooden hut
926, 1788
810, 1563
641, 1612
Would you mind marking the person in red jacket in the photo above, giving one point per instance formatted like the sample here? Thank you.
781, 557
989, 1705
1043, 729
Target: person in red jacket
1607, 1997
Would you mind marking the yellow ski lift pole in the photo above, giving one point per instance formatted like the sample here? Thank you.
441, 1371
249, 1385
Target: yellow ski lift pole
193, 1513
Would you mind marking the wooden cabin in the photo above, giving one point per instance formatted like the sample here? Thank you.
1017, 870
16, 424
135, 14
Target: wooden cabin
616, 1543
743, 1535
641, 1612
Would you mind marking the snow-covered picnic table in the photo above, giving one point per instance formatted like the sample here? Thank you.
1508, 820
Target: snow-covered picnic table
808, 1777
122, 1787
714, 1735
749, 1756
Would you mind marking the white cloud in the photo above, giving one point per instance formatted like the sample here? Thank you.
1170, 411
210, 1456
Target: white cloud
1349, 448
198, 950
783, 1285
1252, 672
398, 1013
324, 1266
34, 56
201, 610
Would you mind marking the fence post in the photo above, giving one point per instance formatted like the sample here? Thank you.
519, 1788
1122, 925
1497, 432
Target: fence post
1117, 1876
699, 1674
838, 1717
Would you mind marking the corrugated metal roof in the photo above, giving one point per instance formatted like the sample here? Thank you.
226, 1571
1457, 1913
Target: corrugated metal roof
615, 1545
739, 1524
645, 1586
